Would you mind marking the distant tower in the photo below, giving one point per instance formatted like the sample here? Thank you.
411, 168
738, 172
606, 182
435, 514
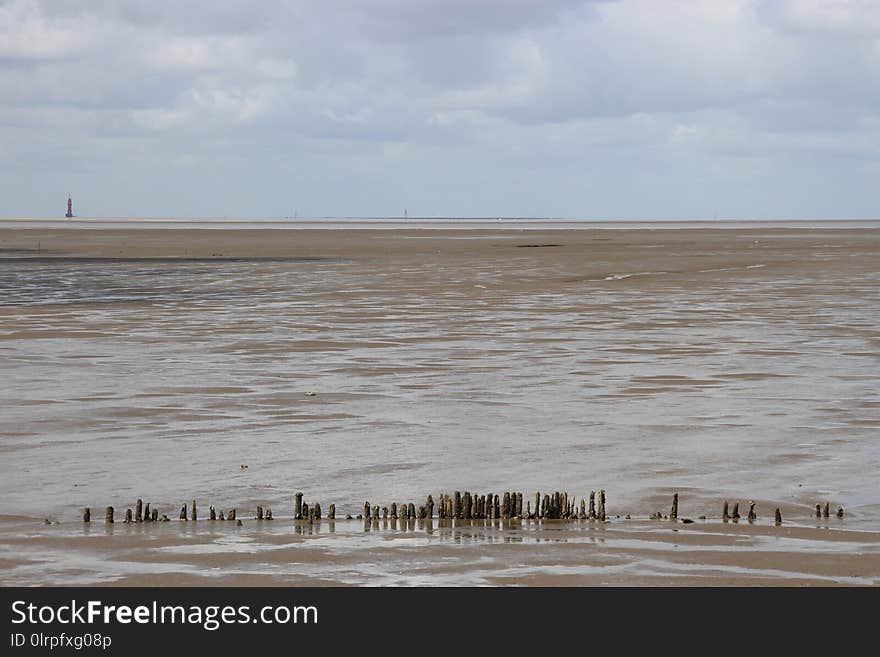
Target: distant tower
69, 208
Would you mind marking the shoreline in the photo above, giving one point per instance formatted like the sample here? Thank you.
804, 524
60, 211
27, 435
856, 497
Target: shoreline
429, 224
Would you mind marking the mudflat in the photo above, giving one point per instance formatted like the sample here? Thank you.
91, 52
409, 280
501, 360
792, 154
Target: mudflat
736, 363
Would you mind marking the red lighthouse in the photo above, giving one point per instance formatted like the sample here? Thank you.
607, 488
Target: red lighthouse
69, 208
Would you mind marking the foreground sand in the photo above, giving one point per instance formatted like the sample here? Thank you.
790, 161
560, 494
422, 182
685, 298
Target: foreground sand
476, 553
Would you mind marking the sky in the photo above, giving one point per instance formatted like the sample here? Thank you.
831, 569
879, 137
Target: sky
582, 109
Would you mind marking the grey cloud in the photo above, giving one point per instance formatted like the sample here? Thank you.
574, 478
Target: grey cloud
510, 89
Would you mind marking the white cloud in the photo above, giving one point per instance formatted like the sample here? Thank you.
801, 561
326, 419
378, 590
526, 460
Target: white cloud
26, 33
567, 85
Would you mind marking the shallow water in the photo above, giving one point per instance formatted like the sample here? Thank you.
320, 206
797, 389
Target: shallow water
437, 553
719, 366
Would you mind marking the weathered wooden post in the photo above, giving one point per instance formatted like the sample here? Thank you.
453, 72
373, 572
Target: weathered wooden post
752, 515
268, 514
457, 509
138, 510
778, 517
673, 513
87, 515
155, 515
331, 512
108, 514
582, 513
537, 504
725, 516
826, 512
298, 506
305, 511
212, 513
429, 507
183, 512
259, 512
735, 514
592, 505
505, 506
148, 517
222, 515
194, 514
411, 511
376, 513
128, 519
519, 508
818, 510
231, 514
317, 508
602, 505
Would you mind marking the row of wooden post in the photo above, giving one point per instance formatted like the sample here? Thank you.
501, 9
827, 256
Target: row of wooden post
458, 506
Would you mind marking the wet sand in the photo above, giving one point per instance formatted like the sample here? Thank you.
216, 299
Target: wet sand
282, 552
729, 363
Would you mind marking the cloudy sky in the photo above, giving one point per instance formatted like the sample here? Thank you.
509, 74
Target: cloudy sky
596, 109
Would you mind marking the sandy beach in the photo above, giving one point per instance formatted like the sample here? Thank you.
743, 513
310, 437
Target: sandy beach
727, 363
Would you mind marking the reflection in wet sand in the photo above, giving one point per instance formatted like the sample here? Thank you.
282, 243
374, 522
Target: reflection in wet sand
437, 553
